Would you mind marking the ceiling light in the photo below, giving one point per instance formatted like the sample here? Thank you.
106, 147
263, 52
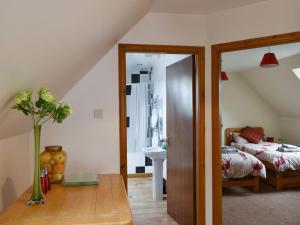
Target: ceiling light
224, 76
269, 60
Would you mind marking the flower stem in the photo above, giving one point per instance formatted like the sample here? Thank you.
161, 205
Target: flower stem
37, 194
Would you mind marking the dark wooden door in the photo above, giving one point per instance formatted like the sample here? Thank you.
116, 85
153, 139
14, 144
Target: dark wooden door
181, 182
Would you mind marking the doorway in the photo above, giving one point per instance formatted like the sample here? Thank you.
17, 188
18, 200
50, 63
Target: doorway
217, 51
196, 127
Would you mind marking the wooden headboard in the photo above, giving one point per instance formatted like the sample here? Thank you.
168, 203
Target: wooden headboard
229, 131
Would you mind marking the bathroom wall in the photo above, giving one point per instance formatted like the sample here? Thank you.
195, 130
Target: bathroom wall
159, 77
137, 162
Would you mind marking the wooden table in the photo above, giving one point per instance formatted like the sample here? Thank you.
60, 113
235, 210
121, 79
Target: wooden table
101, 204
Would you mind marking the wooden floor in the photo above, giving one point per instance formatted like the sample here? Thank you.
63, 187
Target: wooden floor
146, 211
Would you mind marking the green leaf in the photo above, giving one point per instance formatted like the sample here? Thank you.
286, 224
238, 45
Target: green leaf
38, 103
45, 107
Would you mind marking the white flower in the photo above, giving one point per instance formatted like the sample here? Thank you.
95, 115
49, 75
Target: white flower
23, 97
46, 95
67, 110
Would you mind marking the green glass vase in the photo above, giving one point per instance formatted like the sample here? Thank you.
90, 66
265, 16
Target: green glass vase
37, 196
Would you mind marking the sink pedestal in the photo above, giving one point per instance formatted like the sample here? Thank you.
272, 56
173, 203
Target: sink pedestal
157, 181
158, 156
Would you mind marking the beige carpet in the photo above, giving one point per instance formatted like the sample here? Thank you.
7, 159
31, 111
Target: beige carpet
243, 207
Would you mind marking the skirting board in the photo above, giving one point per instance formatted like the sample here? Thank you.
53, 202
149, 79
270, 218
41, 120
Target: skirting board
139, 175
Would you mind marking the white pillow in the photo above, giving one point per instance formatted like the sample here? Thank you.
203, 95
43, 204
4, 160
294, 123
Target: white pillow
238, 139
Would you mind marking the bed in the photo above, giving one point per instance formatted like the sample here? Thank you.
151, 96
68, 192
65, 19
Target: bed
283, 169
242, 169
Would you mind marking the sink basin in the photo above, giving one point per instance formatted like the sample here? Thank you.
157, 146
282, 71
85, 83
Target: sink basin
155, 153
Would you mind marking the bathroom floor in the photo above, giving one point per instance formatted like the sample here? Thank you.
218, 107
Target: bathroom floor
146, 211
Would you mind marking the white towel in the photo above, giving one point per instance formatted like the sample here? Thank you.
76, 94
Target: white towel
282, 149
289, 146
154, 120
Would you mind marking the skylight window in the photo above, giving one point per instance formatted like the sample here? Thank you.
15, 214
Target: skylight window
297, 72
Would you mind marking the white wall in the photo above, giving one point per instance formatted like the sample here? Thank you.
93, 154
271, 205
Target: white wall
159, 80
15, 169
93, 144
160, 89
171, 29
160, 85
242, 106
137, 159
279, 88
57, 49
290, 128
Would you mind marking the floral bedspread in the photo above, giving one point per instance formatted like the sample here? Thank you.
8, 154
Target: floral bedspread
266, 151
241, 164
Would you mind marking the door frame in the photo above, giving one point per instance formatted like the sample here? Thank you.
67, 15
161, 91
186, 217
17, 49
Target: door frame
216, 51
199, 52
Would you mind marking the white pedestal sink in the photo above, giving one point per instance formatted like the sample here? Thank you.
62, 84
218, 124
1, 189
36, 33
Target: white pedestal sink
158, 156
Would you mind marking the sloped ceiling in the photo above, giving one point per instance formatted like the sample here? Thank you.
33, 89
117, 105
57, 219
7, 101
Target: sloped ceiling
278, 86
197, 6
246, 59
54, 43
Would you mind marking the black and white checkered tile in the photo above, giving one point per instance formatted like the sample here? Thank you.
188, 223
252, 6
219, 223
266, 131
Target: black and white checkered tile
144, 169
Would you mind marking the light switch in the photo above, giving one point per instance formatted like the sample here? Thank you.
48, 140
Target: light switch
98, 113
